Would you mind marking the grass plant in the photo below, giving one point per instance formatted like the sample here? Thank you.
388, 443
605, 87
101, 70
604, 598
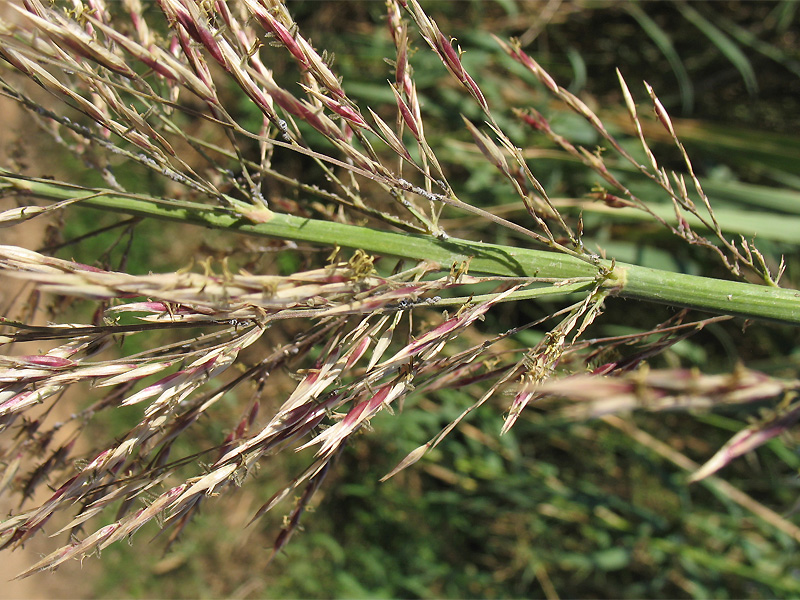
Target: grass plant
369, 268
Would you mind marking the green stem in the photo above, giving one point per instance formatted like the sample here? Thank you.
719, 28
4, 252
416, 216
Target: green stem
624, 280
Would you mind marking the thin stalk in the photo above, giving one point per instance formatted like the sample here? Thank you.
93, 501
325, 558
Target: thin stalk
623, 280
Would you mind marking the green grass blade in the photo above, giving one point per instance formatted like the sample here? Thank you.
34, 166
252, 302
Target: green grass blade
579, 70
723, 43
661, 39
784, 14
762, 197
748, 38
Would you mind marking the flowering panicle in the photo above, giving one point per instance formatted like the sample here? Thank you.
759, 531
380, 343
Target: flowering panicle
373, 331
242, 305
728, 252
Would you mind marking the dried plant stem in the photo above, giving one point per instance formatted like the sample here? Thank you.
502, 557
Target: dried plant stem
622, 280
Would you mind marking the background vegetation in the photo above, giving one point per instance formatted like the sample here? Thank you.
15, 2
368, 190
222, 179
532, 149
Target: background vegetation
555, 507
